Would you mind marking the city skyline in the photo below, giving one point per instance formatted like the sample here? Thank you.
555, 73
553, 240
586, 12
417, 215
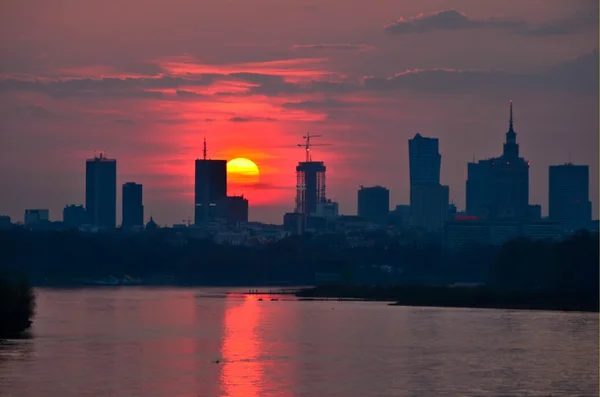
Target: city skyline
367, 85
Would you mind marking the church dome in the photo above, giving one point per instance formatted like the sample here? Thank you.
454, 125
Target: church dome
151, 225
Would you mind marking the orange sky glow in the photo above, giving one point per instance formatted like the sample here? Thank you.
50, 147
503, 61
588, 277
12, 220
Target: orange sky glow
148, 87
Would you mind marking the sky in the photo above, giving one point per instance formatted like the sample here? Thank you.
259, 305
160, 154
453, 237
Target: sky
145, 81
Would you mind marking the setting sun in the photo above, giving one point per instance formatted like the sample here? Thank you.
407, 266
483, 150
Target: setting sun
242, 171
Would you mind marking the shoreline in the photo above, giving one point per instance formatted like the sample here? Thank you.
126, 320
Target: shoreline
458, 297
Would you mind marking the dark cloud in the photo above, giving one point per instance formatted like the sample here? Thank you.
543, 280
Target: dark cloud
238, 119
257, 78
576, 23
110, 87
455, 20
579, 76
315, 86
450, 20
334, 47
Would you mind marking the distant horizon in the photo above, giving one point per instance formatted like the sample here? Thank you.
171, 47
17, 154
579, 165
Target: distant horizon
146, 84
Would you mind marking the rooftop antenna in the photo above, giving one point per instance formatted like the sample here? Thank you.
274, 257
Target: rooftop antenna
204, 150
510, 122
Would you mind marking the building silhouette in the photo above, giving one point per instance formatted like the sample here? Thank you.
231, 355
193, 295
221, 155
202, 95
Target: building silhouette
310, 186
568, 196
36, 217
428, 198
74, 216
425, 161
374, 204
498, 188
210, 188
133, 208
235, 209
101, 192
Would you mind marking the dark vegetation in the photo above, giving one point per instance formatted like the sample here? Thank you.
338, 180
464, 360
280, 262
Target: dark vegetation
524, 274
55, 257
477, 297
544, 269
17, 304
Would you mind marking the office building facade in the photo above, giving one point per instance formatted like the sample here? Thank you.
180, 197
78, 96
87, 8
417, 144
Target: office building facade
234, 209
74, 216
428, 198
210, 189
132, 207
429, 206
36, 217
374, 204
568, 197
101, 192
425, 161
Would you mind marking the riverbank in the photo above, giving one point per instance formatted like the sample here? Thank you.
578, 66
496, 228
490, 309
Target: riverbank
17, 305
479, 297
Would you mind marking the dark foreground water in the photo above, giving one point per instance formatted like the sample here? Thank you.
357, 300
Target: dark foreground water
166, 343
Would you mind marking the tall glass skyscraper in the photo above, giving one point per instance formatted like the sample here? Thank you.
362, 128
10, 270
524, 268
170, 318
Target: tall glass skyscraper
133, 207
101, 192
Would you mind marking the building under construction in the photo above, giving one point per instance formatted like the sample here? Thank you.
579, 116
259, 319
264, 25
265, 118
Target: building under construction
310, 181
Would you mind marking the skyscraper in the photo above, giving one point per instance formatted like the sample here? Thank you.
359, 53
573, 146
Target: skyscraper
425, 161
374, 204
101, 191
498, 188
210, 188
133, 208
568, 197
428, 199
310, 186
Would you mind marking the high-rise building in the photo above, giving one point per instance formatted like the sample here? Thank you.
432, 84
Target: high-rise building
428, 199
374, 204
429, 206
35, 217
310, 186
74, 216
210, 188
133, 207
101, 192
235, 209
498, 188
425, 161
568, 197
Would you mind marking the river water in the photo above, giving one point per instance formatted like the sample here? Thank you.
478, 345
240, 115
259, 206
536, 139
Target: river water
197, 342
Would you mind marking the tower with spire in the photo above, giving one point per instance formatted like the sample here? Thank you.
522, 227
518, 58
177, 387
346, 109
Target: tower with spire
210, 187
498, 188
511, 147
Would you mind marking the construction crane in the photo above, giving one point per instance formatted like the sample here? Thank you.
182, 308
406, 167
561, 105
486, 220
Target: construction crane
307, 145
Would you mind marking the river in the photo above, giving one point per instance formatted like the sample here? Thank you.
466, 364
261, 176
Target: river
162, 342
